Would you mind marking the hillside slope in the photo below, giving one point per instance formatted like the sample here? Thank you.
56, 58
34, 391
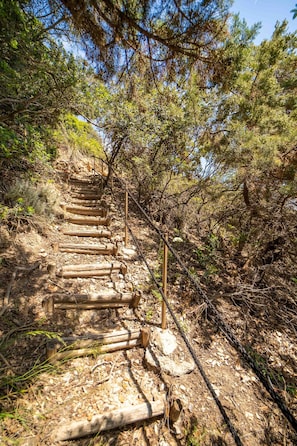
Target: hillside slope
39, 396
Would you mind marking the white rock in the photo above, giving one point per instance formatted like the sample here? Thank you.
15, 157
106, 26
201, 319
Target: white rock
166, 341
177, 240
157, 361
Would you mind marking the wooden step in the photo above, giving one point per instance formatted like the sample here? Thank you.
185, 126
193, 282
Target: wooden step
98, 249
101, 233
115, 419
89, 221
86, 196
86, 191
92, 270
91, 203
81, 210
73, 347
85, 179
88, 203
82, 183
118, 418
107, 298
93, 182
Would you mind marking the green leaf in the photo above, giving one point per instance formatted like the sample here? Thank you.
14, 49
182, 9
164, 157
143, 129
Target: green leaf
14, 44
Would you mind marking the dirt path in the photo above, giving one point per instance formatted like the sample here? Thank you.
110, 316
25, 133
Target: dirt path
47, 396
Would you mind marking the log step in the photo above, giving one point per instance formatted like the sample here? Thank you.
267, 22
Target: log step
85, 196
89, 221
95, 233
91, 203
81, 180
108, 249
81, 210
104, 299
92, 270
81, 183
88, 203
118, 418
73, 347
89, 191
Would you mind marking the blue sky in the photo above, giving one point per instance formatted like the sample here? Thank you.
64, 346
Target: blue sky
267, 12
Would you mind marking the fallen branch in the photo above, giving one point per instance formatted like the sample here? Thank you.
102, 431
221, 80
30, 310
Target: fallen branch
104, 380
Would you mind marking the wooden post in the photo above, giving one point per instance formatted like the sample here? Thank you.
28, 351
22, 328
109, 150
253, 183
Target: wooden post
126, 217
111, 177
164, 281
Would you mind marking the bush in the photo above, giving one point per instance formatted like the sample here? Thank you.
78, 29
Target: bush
79, 136
25, 199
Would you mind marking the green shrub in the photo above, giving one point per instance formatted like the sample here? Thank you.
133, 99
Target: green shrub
25, 199
79, 135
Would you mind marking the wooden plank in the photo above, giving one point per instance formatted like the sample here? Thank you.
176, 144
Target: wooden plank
95, 233
89, 221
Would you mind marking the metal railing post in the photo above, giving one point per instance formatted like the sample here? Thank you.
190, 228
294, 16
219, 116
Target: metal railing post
164, 281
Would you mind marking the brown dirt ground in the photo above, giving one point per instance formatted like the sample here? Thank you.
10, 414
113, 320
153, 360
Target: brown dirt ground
41, 397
